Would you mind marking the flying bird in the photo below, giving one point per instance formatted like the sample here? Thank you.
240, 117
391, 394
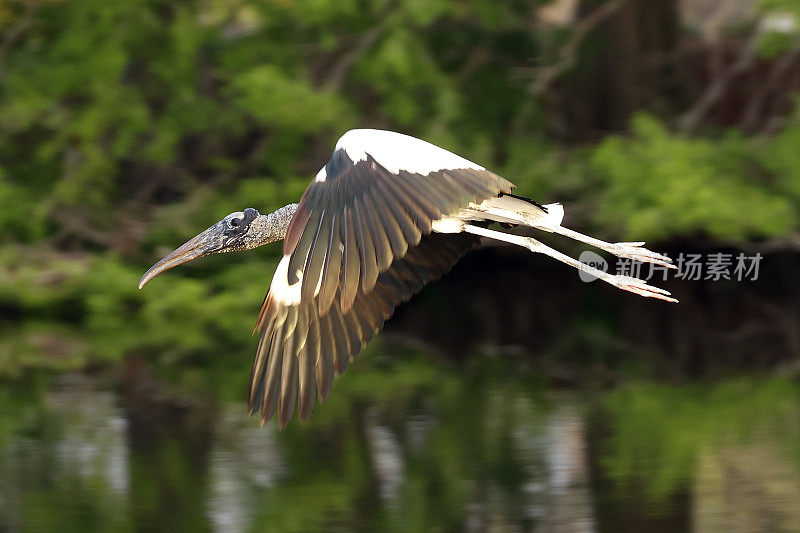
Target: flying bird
386, 215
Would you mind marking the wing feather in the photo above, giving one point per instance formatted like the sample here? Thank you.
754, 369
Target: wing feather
366, 249
300, 352
339, 339
350, 277
289, 383
331, 268
325, 368
397, 242
411, 230
269, 400
317, 255
420, 207
383, 250
299, 256
392, 207
298, 224
359, 244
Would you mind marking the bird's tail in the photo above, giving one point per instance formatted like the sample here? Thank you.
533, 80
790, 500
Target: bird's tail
513, 209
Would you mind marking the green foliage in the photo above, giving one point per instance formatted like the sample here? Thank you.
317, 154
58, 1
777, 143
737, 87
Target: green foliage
659, 431
781, 28
90, 310
657, 184
779, 156
125, 128
785, 6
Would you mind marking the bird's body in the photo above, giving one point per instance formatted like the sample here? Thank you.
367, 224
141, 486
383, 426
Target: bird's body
385, 216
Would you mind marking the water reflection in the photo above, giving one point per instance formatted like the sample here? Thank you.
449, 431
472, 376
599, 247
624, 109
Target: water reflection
243, 460
386, 458
409, 445
569, 506
751, 487
69, 451
93, 443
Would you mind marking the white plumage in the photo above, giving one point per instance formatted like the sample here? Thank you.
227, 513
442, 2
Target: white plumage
282, 291
395, 152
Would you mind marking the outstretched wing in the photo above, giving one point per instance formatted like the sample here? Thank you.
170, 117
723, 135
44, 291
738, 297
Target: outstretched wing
359, 244
377, 196
300, 351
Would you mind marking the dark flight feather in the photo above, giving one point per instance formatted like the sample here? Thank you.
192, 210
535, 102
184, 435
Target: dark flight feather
388, 213
300, 352
361, 241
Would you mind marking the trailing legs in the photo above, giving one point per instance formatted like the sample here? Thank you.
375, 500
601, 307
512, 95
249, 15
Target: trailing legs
624, 249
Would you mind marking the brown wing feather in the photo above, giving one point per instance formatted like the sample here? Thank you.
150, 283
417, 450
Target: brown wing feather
299, 351
379, 215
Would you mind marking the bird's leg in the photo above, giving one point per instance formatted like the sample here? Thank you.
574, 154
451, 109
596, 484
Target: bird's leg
627, 283
548, 218
629, 250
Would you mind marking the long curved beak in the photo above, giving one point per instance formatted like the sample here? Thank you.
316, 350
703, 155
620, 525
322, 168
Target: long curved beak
208, 242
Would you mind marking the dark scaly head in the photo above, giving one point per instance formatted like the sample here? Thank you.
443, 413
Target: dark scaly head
241, 230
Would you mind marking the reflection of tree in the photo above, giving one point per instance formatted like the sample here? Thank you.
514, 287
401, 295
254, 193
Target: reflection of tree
169, 437
65, 466
746, 488
667, 456
408, 444
402, 445
245, 459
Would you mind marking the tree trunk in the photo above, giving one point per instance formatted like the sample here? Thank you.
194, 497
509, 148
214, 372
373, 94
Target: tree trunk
615, 73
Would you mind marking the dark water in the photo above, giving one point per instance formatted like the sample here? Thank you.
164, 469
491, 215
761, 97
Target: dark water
404, 443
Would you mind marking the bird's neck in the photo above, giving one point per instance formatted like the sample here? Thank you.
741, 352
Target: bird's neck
271, 227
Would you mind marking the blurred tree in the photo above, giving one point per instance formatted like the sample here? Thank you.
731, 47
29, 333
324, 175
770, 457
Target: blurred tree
124, 127
615, 74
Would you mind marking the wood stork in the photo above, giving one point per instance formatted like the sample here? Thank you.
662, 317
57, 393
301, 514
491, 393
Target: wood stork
386, 215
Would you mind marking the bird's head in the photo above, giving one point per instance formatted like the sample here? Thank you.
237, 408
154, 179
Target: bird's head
240, 230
